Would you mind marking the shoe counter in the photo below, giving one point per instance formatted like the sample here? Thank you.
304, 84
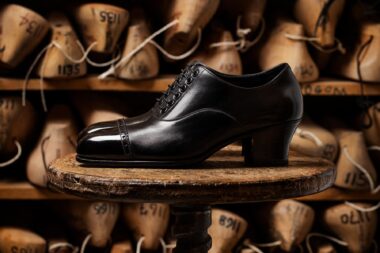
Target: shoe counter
67, 65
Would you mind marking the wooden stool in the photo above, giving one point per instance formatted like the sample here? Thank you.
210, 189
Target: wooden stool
223, 178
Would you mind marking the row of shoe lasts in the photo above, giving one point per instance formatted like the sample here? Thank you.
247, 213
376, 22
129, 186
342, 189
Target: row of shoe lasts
101, 25
356, 153
316, 23
56, 139
288, 225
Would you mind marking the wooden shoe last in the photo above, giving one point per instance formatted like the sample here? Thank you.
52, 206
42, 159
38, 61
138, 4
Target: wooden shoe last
354, 227
226, 230
148, 220
54, 63
144, 64
22, 31
101, 23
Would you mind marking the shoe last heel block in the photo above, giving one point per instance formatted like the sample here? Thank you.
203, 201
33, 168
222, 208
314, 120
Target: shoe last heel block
269, 146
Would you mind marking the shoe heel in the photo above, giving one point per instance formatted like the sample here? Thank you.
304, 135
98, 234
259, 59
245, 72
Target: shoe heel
269, 146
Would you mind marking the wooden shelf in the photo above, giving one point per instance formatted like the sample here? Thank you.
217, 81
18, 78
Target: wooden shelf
91, 83
323, 87
336, 194
26, 191
333, 87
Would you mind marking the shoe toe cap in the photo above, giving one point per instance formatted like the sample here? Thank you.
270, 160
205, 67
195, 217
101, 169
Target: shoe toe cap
102, 144
97, 127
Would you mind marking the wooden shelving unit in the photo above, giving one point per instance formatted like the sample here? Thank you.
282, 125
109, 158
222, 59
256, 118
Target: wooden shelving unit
26, 191
323, 87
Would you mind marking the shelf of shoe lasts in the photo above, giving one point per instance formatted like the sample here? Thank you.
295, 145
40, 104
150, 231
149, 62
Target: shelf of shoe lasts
26, 191
322, 87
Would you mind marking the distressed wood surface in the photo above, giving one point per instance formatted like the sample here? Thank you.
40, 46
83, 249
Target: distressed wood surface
26, 191
223, 178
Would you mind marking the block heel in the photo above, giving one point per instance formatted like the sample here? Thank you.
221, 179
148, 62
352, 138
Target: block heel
269, 146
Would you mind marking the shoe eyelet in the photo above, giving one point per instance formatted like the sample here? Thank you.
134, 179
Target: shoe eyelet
195, 73
183, 88
189, 80
163, 110
176, 96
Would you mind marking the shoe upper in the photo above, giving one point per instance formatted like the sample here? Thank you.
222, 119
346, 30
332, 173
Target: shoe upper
202, 111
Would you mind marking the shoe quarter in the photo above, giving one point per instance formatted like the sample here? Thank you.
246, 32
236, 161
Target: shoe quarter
273, 102
205, 92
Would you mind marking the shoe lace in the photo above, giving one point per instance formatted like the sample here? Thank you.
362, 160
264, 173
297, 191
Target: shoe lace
177, 88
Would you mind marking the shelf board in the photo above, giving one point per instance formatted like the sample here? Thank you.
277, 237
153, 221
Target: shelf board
323, 87
26, 191
333, 87
337, 194
91, 83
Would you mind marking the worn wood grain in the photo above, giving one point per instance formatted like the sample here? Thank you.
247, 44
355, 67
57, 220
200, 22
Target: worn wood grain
222, 178
26, 191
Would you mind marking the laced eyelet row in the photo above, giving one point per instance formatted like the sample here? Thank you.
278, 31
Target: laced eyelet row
181, 89
188, 80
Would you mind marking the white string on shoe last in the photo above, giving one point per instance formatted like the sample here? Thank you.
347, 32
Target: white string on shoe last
242, 44
331, 238
56, 246
60, 48
374, 189
128, 57
85, 242
309, 135
163, 244
312, 40
255, 247
15, 158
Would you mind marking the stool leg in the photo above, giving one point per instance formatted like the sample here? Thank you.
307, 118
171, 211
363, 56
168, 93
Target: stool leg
190, 228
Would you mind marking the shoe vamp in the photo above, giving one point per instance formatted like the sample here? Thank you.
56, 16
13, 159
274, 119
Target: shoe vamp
185, 138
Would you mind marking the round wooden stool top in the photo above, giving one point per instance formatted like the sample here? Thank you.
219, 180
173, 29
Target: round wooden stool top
223, 178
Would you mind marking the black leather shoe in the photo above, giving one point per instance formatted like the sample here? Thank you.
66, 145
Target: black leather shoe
203, 111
